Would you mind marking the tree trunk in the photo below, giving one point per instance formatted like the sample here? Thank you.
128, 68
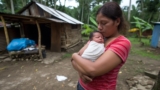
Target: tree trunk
129, 10
23, 2
88, 17
151, 16
60, 2
54, 1
141, 15
12, 6
82, 13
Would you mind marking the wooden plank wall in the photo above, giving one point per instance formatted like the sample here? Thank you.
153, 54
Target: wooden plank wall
3, 43
73, 35
55, 37
34, 10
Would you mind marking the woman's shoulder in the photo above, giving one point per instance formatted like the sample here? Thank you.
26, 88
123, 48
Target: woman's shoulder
117, 40
121, 40
121, 46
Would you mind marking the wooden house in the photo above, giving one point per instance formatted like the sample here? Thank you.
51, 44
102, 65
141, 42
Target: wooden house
46, 26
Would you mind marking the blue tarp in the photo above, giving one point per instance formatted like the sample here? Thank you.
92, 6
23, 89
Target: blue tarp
19, 44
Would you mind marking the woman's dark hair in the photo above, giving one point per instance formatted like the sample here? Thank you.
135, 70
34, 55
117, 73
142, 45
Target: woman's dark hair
92, 34
113, 11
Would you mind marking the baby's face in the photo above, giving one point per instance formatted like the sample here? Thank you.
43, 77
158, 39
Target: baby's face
97, 37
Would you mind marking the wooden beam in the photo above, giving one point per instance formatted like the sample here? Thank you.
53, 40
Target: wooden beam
29, 22
5, 30
39, 39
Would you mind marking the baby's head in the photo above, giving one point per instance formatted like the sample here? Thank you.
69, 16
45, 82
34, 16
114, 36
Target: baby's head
96, 36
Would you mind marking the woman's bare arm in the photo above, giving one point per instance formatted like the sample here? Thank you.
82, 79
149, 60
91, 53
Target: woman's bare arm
84, 77
80, 70
106, 62
76, 67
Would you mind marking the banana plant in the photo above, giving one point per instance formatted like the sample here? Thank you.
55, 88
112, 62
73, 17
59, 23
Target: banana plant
142, 26
88, 28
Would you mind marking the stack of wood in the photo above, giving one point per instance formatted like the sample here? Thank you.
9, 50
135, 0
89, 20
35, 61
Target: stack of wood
27, 55
22, 57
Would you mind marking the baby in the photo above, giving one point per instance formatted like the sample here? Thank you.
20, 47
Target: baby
95, 46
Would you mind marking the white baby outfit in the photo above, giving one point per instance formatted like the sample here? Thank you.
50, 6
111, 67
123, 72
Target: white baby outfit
93, 51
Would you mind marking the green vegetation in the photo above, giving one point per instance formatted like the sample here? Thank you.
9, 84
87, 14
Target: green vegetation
87, 28
66, 55
145, 51
142, 26
147, 10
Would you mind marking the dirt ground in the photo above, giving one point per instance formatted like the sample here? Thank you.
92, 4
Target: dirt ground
31, 75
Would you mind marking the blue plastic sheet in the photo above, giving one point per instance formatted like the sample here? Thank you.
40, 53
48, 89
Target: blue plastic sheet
19, 44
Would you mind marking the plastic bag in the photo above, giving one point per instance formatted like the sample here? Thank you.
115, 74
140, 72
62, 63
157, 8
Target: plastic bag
19, 44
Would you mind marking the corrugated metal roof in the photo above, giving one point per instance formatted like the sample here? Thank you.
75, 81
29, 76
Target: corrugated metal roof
26, 17
56, 20
59, 14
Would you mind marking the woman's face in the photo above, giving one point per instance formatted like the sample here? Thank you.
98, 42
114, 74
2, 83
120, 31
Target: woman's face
107, 26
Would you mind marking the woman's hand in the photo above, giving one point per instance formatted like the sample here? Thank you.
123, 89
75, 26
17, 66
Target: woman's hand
85, 79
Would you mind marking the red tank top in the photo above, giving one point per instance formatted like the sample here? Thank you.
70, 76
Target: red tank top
120, 46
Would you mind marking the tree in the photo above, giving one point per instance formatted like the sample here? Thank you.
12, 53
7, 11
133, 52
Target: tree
152, 8
118, 1
129, 10
12, 6
148, 8
8, 6
84, 6
140, 4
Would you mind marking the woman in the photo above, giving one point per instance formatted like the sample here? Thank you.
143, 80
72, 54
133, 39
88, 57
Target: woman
102, 74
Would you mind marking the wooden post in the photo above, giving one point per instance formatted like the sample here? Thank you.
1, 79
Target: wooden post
5, 30
39, 39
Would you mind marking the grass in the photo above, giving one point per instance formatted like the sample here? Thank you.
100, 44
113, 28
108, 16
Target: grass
143, 51
66, 55
136, 41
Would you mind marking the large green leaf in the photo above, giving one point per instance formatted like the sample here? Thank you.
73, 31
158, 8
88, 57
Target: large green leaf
141, 24
93, 21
